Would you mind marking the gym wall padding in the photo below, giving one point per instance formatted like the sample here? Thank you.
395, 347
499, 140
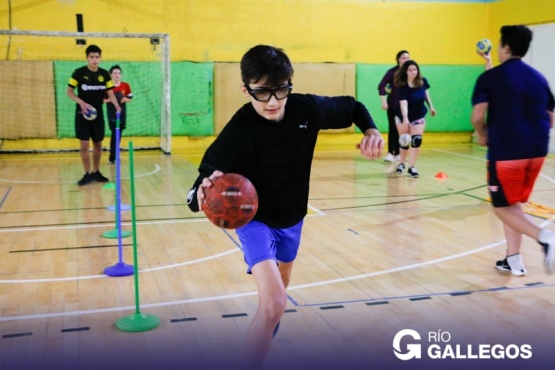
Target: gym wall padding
16, 103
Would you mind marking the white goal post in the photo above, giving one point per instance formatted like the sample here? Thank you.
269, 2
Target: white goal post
37, 115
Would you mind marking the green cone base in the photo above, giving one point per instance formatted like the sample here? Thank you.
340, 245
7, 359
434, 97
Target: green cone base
138, 322
113, 234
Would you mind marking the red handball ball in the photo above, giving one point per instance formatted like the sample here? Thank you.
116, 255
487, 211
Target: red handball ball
231, 201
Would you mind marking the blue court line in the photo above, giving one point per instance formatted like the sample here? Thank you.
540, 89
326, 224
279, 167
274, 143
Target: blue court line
237, 244
419, 297
5, 196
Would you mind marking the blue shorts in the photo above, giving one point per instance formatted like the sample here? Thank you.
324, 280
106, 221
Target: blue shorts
261, 242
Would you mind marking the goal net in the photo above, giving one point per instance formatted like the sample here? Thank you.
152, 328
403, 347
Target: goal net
37, 115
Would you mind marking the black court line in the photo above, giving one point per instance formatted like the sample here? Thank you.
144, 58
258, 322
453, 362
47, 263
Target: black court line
332, 307
418, 198
234, 315
420, 298
497, 289
184, 319
534, 284
378, 303
69, 248
455, 294
381, 196
17, 335
70, 330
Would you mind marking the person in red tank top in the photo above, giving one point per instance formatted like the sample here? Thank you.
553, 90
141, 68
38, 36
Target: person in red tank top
123, 94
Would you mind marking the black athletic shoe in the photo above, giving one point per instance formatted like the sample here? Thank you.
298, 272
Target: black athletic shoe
413, 172
400, 169
87, 179
97, 176
504, 266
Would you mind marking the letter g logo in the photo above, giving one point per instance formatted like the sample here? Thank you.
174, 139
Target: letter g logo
413, 350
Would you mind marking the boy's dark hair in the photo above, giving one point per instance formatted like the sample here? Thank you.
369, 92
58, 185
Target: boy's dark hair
93, 49
399, 55
266, 62
401, 77
518, 39
115, 67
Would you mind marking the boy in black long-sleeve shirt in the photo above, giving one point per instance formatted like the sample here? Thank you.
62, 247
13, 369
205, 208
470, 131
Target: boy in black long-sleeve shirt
273, 147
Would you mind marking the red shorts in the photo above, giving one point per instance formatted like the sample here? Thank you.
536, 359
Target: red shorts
511, 182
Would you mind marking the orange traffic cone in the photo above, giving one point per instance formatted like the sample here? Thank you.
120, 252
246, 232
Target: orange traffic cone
441, 176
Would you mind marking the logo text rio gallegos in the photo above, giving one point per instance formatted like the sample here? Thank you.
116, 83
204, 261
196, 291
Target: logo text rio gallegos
440, 347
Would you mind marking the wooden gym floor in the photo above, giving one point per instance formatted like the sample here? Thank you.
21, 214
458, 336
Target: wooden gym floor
380, 253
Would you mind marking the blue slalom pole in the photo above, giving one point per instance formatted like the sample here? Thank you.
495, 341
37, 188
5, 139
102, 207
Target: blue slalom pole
120, 268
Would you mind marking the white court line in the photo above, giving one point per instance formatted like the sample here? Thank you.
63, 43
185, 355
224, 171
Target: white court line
156, 169
316, 210
106, 276
548, 178
238, 295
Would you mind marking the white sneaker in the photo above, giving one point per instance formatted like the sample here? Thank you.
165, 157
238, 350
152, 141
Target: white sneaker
504, 266
516, 265
547, 240
389, 158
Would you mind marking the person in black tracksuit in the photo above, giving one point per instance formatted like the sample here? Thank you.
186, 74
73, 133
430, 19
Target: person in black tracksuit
271, 141
390, 103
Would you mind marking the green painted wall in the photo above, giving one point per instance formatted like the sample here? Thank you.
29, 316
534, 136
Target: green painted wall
192, 99
450, 86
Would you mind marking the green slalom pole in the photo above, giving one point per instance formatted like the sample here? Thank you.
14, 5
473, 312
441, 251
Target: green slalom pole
137, 321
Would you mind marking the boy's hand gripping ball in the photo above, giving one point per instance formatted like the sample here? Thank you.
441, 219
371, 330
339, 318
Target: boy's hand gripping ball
90, 113
483, 46
231, 201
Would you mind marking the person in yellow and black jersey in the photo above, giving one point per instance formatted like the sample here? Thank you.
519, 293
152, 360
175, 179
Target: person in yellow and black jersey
92, 83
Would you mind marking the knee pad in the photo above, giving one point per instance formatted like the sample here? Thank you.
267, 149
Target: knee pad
416, 141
